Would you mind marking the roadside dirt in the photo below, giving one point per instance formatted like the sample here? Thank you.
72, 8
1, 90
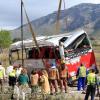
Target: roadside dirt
72, 94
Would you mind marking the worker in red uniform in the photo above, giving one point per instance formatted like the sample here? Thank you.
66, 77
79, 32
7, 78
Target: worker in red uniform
63, 77
53, 77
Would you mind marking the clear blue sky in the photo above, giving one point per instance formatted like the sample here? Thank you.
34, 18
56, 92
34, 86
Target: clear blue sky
10, 10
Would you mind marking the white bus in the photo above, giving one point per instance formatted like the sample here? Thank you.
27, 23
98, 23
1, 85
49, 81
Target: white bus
77, 50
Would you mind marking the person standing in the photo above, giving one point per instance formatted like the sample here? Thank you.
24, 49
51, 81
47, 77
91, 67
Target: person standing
18, 70
23, 78
23, 81
12, 78
81, 74
34, 78
2, 76
63, 77
91, 84
9, 69
53, 77
45, 87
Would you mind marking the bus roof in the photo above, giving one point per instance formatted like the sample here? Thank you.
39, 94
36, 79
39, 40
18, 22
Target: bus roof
48, 40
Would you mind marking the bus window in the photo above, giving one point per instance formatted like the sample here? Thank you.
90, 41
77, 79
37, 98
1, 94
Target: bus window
78, 47
36, 53
33, 53
30, 53
41, 52
57, 53
63, 39
80, 42
84, 43
52, 54
47, 51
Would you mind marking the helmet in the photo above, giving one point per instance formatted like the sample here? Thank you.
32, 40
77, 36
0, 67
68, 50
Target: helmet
53, 65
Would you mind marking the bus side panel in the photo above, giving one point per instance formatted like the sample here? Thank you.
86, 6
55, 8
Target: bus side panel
73, 64
88, 60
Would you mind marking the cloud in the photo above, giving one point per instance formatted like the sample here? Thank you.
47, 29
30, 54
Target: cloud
95, 1
10, 10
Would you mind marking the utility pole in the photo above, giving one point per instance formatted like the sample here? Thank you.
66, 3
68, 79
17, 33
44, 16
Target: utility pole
66, 16
22, 32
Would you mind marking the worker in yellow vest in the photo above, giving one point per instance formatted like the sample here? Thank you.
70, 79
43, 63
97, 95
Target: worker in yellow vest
12, 78
81, 74
91, 84
2, 75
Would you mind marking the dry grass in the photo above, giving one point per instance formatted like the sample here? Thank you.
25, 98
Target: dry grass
97, 54
4, 58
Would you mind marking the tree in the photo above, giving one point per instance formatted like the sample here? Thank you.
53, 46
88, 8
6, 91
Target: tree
5, 39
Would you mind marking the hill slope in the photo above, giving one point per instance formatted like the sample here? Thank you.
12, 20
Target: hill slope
86, 16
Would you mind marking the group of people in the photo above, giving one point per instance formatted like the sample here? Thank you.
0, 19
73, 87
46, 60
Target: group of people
89, 79
49, 80
12, 75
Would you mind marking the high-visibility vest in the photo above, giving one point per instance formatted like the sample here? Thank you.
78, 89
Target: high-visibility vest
82, 71
1, 73
63, 73
12, 74
53, 73
91, 79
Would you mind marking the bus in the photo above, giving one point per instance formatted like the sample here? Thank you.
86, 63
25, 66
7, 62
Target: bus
77, 50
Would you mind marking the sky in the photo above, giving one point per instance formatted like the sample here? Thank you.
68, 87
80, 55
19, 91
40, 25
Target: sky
10, 10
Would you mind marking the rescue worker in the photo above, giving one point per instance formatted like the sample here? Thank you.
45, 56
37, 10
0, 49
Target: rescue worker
63, 77
2, 76
45, 87
81, 74
12, 78
91, 84
53, 77
34, 78
9, 69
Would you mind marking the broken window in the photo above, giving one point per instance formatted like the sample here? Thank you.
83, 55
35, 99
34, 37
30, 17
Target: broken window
80, 42
79, 46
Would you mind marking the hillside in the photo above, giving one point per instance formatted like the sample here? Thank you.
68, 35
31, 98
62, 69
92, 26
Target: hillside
86, 16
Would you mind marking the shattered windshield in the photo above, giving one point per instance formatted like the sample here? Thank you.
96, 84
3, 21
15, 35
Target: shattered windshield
79, 42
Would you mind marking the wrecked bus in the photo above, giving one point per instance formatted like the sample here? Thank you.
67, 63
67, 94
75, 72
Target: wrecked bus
77, 50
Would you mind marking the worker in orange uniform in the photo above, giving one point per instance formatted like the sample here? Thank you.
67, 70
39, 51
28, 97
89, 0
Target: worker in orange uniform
63, 77
53, 77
